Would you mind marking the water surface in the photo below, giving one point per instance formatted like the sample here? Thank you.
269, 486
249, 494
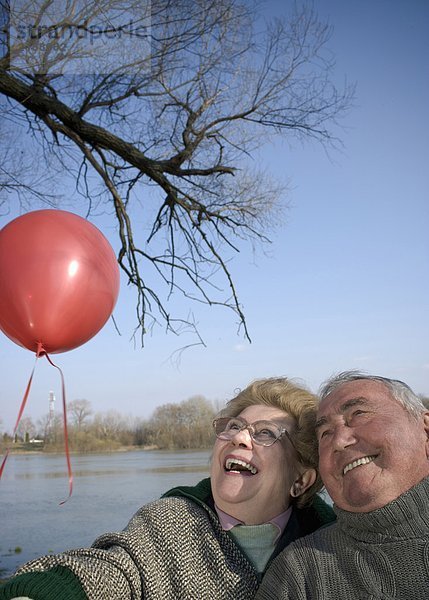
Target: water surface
108, 490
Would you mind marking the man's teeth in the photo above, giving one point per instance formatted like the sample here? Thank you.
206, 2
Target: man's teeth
232, 463
360, 461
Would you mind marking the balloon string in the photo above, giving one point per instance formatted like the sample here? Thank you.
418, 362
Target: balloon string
21, 410
42, 352
66, 437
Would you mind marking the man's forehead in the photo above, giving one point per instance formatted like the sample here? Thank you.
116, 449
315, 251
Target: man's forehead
350, 394
347, 404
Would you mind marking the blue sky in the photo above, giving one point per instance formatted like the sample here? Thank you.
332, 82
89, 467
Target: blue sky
345, 283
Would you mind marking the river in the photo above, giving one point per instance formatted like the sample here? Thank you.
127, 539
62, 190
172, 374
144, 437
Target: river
108, 490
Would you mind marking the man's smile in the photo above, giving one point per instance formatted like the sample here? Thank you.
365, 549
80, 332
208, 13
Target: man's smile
356, 463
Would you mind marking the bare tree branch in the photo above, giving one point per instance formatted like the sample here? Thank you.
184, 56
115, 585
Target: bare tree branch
169, 115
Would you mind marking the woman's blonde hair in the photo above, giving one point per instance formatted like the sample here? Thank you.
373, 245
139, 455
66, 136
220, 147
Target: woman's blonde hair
296, 401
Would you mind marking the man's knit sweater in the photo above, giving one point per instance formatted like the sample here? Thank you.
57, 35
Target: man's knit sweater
383, 554
173, 548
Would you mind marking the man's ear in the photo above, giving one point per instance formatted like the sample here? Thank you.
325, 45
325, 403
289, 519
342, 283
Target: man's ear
426, 427
305, 480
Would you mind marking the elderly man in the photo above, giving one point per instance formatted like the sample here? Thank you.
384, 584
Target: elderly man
373, 458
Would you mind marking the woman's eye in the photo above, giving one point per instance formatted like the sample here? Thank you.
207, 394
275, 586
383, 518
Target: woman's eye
233, 427
266, 433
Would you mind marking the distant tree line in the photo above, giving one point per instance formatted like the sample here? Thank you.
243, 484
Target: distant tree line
186, 425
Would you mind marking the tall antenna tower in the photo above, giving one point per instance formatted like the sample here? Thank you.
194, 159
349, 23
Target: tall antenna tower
51, 406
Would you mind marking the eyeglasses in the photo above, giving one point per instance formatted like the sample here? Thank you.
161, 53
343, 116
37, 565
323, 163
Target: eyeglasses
263, 433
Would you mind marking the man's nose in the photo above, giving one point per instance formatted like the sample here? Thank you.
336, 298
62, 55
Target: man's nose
343, 437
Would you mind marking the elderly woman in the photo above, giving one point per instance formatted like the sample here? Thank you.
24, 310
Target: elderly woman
214, 540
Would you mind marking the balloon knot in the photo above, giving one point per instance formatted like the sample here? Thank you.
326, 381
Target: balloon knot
40, 350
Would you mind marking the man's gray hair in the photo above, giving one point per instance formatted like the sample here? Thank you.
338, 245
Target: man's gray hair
400, 391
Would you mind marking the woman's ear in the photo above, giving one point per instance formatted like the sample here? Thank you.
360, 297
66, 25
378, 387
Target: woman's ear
303, 482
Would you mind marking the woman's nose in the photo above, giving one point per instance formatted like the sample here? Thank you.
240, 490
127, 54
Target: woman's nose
242, 437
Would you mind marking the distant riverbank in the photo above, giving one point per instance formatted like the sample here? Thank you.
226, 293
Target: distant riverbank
52, 451
37, 451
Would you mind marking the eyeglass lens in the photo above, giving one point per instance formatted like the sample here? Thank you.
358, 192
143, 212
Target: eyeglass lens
262, 432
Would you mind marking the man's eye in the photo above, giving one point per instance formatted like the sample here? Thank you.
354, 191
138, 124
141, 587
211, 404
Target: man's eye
323, 433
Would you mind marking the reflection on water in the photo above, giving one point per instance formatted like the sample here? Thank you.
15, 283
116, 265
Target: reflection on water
187, 469
108, 490
113, 472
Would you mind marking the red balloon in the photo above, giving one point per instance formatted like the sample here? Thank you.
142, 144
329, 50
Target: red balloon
59, 280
